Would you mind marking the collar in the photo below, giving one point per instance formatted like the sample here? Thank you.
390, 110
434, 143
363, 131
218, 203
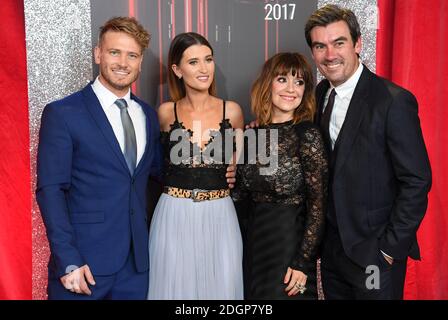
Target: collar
348, 87
107, 97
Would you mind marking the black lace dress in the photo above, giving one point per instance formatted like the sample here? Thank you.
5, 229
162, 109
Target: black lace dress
281, 211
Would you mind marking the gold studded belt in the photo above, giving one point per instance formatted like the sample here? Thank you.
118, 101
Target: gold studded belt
197, 194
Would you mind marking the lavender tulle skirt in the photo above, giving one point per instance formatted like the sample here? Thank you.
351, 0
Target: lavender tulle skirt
195, 250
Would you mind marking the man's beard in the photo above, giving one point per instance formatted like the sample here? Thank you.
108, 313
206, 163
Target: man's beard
119, 86
122, 86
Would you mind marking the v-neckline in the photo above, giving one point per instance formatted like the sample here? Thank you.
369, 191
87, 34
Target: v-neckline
212, 133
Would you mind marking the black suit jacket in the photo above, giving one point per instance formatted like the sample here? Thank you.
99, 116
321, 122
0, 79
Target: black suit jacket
380, 172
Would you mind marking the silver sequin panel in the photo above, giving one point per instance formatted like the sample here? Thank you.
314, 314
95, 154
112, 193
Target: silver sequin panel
59, 62
368, 14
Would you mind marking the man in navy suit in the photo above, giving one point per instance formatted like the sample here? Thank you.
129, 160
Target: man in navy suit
91, 196
379, 169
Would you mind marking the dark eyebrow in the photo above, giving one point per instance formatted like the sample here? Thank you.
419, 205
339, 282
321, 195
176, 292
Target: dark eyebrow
197, 59
340, 39
315, 43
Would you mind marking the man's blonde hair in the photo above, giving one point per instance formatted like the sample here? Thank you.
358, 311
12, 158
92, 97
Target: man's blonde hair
128, 25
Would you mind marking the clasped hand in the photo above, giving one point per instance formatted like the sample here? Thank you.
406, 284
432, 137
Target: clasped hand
76, 281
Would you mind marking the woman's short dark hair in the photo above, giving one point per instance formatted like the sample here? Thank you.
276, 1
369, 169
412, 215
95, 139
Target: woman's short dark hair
282, 64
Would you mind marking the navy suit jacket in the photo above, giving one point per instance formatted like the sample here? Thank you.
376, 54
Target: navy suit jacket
94, 211
380, 172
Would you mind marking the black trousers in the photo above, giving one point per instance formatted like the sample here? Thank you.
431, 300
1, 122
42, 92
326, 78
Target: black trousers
344, 279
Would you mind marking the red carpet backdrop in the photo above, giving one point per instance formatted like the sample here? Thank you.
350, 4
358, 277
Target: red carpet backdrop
411, 51
15, 187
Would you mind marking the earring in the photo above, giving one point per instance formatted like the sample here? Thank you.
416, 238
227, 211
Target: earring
179, 76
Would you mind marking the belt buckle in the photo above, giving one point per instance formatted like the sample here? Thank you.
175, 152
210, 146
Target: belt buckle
194, 194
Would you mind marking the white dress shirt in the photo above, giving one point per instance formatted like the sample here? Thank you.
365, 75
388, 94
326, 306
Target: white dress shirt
344, 93
107, 100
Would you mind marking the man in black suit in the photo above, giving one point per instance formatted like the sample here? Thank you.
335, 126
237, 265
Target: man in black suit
380, 172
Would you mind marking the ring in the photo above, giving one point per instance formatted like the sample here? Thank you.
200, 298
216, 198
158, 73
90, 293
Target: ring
300, 287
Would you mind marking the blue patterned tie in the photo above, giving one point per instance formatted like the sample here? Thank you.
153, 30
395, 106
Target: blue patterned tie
130, 144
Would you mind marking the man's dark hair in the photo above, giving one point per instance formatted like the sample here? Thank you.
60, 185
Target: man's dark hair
329, 14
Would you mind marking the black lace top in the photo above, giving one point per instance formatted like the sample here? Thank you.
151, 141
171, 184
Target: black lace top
300, 178
187, 165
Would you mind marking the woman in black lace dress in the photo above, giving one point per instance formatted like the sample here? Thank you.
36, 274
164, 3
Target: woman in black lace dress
281, 204
195, 244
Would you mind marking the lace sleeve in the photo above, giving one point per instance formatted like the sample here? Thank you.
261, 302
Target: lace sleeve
315, 169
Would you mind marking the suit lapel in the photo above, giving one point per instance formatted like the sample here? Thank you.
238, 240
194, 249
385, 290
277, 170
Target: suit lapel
149, 141
96, 111
356, 111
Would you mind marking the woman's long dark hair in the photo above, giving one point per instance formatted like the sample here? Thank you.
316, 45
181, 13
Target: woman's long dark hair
180, 43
